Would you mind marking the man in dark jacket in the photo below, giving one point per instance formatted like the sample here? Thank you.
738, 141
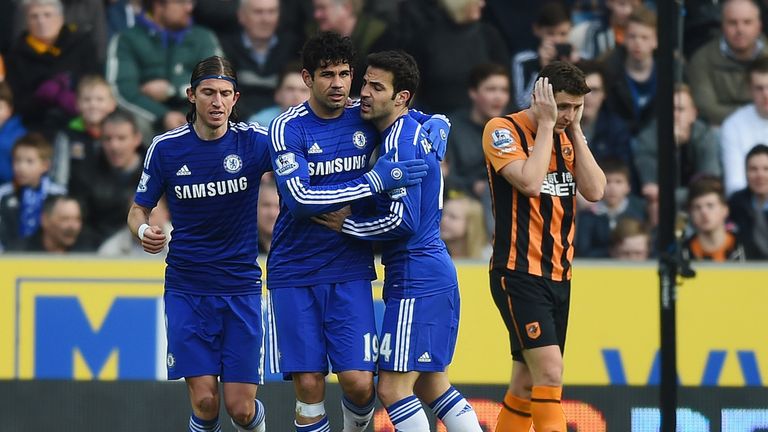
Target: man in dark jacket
258, 53
45, 65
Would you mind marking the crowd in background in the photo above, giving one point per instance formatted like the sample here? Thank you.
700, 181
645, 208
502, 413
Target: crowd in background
85, 84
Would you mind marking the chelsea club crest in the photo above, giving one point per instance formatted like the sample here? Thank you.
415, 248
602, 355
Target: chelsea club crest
359, 139
233, 164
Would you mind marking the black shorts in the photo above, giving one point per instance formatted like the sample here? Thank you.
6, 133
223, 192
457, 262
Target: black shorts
534, 309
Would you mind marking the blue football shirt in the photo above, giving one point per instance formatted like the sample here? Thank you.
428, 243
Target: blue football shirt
407, 220
212, 188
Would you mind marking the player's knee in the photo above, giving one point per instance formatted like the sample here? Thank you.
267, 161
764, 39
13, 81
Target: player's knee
551, 376
358, 390
387, 394
241, 410
310, 385
207, 404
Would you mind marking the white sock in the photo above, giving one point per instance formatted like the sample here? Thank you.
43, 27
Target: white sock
408, 416
356, 418
257, 424
455, 412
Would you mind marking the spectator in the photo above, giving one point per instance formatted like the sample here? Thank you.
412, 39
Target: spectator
489, 93
462, 228
718, 69
596, 37
80, 140
698, 149
630, 241
149, 64
258, 53
21, 201
745, 128
448, 48
608, 134
108, 182
551, 29
595, 225
267, 210
631, 70
123, 243
369, 34
291, 91
10, 130
61, 228
749, 206
708, 211
46, 64
88, 16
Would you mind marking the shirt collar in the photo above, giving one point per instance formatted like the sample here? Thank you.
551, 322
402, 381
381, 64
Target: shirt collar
726, 50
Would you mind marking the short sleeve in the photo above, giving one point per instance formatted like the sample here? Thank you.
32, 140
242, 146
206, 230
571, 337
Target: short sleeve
501, 143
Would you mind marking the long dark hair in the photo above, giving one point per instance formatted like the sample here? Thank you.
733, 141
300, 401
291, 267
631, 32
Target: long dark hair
211, 66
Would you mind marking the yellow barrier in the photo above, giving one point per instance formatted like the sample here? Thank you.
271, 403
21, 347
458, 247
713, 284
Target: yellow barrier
613, 332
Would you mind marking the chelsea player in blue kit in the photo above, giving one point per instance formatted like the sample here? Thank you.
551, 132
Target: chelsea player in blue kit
209, 170
319, 280
421, 293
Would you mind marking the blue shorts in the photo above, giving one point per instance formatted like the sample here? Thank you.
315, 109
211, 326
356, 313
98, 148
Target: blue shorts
419, 334
312, 325
215, 335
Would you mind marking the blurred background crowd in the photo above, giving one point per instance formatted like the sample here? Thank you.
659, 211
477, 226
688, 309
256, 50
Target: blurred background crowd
86, 84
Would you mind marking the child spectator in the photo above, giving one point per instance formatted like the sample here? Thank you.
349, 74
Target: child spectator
10, 130
21, 201
630, 241
463, 230
80, 140
631, 72
708, 212
594, 226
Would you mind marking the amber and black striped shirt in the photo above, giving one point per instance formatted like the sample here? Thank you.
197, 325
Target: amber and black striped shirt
532, 234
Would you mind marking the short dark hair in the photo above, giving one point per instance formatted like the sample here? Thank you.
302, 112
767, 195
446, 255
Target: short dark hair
51, 200
705, 185
483, 71
37, 141
121, 116
759, 149
213, 65
551, 14
589, 67
327, 48
759, 65
615, 166
405, 72
565, 77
